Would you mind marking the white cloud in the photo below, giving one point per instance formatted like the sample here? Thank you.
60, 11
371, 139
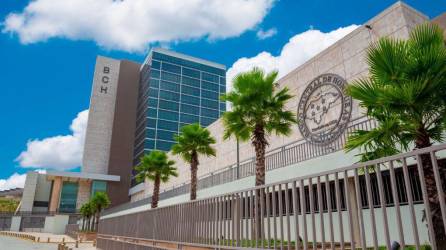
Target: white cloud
16, 180
133, 24
298, 50
262, 34
60, 152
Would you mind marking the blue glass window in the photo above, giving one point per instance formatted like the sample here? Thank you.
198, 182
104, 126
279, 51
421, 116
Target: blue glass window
149, 144
209, 103
98, 186
206, 121
151, 123
209, 77
164, 145
209, 112
209, 94
190, 109
167, 125
210, 86
155, 74
153, 102
170, 77
68, 197
154, 83
171, 96
150, 133
171, 68
155, 64
190, 100
174, 106
170, 86
151, 113
222, 89
168, 115
191, 73
191, 82
223, 81
165, 135
190, 91
188, 118
153, 92
222, 106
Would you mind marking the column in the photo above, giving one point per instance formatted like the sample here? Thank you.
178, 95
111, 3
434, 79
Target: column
55, 194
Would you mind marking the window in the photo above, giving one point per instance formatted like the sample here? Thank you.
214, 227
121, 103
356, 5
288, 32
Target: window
170, 77
190, 109
222, 106
206, 121
190, 91
209, 94
68, 197
149, 144
188, 118
209, 104
174, 106
167, 125
98, 186
153, 102
169, 95
164, 145
156, 64
209, 112
153, 92
154, 83
168, 115
151, 113
171, 68
190, 81
190, 100
222, 81
155, 74
209, 86
151, 123
165, 135
222, 89
150, 133
209, 77
170, 86
191, 73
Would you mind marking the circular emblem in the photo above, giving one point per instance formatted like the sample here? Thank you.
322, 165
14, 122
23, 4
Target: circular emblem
324, 109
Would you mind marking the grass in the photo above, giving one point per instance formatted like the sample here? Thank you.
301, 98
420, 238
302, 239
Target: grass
8, 205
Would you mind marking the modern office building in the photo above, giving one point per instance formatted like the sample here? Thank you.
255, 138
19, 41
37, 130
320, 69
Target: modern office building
133, 109
315, 146
175, 90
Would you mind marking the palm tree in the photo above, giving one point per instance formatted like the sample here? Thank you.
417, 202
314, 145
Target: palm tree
157, 168
258, 110
86, 212
99, 202
193, 141
406, 94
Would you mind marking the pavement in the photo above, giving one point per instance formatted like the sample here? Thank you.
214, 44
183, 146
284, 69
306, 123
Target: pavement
13, 243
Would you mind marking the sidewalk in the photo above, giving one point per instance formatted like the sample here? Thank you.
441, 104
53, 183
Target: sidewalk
24, 240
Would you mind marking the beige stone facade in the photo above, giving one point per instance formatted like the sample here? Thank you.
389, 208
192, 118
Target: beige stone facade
83, 193
345, 58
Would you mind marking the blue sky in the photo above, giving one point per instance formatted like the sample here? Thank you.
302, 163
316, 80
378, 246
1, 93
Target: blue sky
48, 53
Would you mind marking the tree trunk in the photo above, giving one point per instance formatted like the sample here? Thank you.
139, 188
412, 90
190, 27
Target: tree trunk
88, 223
156, 191
193, 179
259, 142
98, 214
83, 223
423, 141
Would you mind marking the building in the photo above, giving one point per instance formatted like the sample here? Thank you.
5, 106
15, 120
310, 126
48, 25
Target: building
175, 90
315, 146
134, 109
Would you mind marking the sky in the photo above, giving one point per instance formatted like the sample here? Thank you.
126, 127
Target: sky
48, 50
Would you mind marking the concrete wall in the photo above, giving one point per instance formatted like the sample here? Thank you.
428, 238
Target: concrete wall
15, 223
29, 191
55, 224
100, 117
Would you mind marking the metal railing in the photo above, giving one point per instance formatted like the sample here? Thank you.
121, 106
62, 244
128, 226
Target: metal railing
322, 210
291, 153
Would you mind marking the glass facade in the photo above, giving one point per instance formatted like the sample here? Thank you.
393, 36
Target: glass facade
175, 91
68, 197
98, 186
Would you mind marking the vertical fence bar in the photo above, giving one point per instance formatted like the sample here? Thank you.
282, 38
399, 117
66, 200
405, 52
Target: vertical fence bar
383, 205
313, 222
304, 214
371, 206
439, 188
281, 215
252, 216
321, 212
426, 202
349, 210
262, 212
359, 204
411, 205
296, 215
268, 214
247, 216
287, 209
329, 206
396, 201
274, 216
339, 208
